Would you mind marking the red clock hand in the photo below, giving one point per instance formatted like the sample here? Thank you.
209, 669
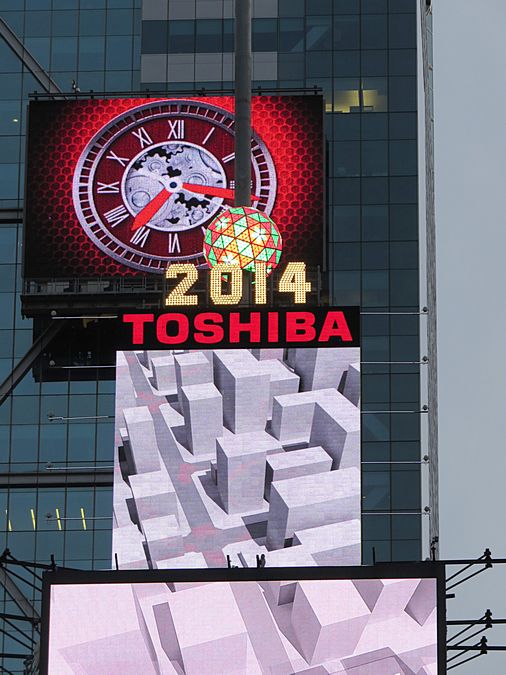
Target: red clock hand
150, 209
226, 193
157, 202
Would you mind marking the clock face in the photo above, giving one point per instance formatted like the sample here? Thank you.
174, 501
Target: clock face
149, 182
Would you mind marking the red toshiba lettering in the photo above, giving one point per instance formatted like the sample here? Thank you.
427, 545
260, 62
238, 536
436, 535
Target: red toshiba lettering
138, 321
183, 329
252, 327
300, 327
272, 326
335, 325
211, 333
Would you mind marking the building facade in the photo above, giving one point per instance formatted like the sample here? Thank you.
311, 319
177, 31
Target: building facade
366, 57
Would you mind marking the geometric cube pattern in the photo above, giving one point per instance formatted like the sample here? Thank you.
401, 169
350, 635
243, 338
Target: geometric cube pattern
248, 627
241, 236
228, 454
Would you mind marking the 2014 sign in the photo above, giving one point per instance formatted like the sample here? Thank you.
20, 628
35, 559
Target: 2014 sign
293, 280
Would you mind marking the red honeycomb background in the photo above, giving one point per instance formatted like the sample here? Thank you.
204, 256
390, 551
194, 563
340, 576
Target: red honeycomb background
56, 246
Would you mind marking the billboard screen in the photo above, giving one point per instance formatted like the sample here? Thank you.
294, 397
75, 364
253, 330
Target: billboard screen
229, 456
121, 187
277, 624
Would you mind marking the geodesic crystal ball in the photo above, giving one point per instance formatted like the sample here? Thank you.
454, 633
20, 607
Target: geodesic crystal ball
241, 236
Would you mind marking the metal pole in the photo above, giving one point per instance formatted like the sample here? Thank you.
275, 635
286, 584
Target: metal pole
242, 102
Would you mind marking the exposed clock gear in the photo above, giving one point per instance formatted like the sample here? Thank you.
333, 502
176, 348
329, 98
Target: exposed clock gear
184, 209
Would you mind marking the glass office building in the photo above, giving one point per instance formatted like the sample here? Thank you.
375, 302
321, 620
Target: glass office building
367, 58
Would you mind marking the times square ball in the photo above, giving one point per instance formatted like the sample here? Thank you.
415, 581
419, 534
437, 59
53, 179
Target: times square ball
242, 236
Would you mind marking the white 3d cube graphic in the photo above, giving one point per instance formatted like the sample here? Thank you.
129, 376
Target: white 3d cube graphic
296, 463
192, 368
309, 501
327, 629
322, 368
212, 640
336, 427
282, 380
245, 390
241, 470
142, 439
164, 372
292, 414
352, 384
154, 494
203, 416
334, 544
163, 537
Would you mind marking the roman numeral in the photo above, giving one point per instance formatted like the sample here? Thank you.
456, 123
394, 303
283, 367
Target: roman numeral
141, 236
116, 216
174, 245
122, 160
176, 129
144, 138
228, 158
107, 188
210, 133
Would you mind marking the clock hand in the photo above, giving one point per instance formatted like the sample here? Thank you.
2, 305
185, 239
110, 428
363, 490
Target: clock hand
157, 202
197, 188
211, 190
150, 209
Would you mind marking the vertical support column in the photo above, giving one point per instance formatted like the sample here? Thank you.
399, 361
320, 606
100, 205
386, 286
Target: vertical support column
432, 387
242, 102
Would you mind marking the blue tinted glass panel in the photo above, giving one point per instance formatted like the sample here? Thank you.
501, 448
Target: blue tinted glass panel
374, 127
64, 53
181, 37
291, 66
119, 53
209, 35
64, 23
346, 32
374, 29
318, 33
318, 64
402, 31
402, 62
91, 55
345, 223
374, 62
374, 6
291, 35
375, 222
291, 7
92, 22
119, 22
37, 24
155, 37
346, 63
374, 158
403, 158
265, 35
346, 159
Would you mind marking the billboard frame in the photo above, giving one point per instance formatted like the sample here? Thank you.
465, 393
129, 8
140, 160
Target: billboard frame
390, 570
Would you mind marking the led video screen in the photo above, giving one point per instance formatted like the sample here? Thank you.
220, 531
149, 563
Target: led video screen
234, 456
353, 626
122, 187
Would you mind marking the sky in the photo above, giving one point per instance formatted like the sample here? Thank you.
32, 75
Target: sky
470, 164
